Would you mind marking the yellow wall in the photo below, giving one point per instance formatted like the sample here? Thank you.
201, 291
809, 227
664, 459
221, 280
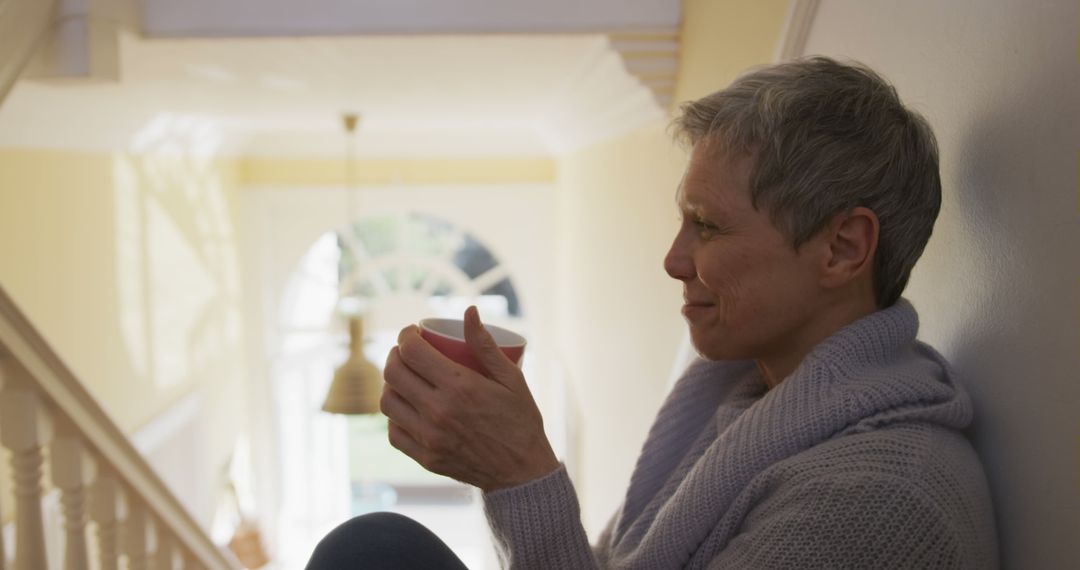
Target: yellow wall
619, 321
721, 38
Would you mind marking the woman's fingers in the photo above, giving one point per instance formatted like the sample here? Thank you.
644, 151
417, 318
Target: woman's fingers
426, 361
404, 441
411, 386
423, 412
398, 410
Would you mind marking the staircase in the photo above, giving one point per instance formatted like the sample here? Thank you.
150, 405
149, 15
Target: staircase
112, 503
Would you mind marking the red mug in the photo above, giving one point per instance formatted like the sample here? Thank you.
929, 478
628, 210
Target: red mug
448, 337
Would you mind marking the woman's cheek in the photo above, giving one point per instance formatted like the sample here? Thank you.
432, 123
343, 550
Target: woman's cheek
727, 290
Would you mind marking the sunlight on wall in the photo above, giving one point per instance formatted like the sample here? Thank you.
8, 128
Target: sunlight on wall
181, 135
130, 282
182, 289
177, 261
171, 283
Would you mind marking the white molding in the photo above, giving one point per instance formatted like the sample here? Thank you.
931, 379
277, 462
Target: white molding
652, 57
604, 101
800, 18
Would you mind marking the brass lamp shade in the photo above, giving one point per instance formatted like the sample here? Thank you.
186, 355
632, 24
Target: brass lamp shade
357, 384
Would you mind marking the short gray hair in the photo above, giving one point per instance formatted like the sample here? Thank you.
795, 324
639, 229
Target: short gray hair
828, 137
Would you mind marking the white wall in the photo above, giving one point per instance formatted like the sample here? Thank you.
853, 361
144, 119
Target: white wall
997, 288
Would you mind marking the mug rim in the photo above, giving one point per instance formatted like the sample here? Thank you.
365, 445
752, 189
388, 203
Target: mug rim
504, 338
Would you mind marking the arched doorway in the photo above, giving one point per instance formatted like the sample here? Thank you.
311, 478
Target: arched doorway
394, 268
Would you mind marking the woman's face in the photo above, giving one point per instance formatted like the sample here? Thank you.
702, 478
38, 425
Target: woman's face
748, 293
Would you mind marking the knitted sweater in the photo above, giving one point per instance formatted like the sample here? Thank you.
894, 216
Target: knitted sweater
855, 460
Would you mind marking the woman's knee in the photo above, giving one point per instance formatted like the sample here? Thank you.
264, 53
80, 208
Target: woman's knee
378, 540
376, 523
365, 532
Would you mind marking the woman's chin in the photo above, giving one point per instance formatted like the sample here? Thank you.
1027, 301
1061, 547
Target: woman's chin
711, 350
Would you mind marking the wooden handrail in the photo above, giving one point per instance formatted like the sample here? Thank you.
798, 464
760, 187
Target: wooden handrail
66, 395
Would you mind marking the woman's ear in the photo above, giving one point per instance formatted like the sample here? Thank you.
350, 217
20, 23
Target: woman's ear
852, 241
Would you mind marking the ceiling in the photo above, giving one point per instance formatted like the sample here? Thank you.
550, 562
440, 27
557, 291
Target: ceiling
337, 17
270, 78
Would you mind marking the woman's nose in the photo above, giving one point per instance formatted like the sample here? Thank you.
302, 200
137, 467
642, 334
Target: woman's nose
678, 262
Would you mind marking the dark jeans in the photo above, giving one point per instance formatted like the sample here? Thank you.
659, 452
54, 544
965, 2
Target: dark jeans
383, 541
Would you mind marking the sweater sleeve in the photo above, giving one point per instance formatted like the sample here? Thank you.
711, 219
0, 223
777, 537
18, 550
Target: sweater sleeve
845, 521
538, 525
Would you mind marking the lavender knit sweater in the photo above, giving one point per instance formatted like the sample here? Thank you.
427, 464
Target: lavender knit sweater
853, 461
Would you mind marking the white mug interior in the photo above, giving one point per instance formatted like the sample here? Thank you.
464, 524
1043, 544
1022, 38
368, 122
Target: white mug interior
455, 329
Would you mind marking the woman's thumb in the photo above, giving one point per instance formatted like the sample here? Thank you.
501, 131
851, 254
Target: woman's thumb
484, 348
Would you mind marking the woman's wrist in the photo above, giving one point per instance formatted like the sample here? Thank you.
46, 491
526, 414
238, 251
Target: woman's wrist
544, 464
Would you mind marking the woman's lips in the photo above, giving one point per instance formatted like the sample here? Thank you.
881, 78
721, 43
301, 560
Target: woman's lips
695, 310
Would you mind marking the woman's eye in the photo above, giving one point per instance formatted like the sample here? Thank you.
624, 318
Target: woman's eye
705, 227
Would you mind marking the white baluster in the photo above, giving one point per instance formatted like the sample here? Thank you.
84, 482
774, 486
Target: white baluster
135, 534
104, 504
164, 553
3, 556
25, 429
72, 470
191, 563
4, 370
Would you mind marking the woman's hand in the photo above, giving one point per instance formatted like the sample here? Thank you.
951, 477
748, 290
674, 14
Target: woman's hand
481, 430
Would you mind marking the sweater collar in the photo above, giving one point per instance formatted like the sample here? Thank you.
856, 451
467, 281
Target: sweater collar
873, 340
874, 371
866, 376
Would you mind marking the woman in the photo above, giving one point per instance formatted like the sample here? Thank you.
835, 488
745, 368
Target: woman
815, 432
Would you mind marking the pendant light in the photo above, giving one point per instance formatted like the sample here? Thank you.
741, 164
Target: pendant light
357, 384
